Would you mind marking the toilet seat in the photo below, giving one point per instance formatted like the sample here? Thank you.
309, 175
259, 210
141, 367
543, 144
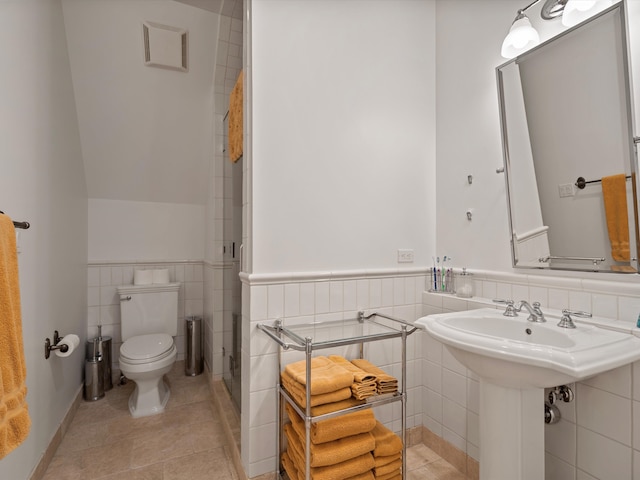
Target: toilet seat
143, 349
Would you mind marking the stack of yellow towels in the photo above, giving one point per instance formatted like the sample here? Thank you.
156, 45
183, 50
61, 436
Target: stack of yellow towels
353, 446
385, 383
341, 447
329, 382
364, 383
387, 454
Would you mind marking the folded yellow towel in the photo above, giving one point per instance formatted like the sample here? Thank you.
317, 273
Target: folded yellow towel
387, 442
326, 376
388, 469
363, 391
341, 471
333, 452
359, 375
362, 421
236, 100
335, 406
14, 414
290, 466
368, 475
380, 461
297, 391
385, 382
614, 194
390, 476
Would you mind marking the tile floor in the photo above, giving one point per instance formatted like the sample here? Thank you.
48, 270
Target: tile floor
187, 442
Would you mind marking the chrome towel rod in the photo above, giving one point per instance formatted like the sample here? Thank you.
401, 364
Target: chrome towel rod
23, 225
581, 182
594, 260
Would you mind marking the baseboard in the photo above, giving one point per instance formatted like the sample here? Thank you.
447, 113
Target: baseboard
465, 464
40, 469
230, 420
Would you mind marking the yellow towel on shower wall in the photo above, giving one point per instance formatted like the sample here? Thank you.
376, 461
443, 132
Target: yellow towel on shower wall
235, 120
614, 194
14, 415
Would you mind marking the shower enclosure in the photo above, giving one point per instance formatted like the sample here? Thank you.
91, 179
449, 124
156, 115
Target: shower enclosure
232, 287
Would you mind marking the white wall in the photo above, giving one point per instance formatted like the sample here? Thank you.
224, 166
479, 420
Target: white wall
120, 230
42, 181
147, 132
342, 175
343, 134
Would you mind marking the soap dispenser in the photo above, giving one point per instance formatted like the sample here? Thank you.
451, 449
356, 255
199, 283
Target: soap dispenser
464, 284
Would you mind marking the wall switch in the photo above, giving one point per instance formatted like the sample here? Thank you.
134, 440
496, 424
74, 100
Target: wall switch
405, 256
566, 190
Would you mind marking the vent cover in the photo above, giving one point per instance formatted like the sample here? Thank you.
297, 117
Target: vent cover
165, 46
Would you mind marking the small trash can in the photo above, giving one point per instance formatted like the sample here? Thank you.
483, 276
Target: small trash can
101, 347
193, 361
93, 379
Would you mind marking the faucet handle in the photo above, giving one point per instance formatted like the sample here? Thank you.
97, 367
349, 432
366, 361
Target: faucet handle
510, 310
567, 322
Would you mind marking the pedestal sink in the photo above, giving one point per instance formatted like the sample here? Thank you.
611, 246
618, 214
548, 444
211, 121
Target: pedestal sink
516, 360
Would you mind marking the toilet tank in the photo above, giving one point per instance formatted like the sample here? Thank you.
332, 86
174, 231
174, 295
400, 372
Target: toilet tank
148, 309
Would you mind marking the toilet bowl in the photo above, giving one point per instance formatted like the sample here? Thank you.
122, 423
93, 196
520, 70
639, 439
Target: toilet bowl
145, 359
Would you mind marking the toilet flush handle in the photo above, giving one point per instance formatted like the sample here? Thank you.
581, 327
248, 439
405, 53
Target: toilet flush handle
125, 298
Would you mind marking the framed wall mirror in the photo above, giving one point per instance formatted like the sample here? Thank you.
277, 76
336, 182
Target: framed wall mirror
567, 132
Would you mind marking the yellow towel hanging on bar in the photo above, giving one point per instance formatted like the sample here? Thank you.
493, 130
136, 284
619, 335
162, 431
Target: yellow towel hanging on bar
235, 120
14, 415
614, 194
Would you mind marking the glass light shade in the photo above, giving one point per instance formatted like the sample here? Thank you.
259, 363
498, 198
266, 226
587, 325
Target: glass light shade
521, 37
576, 11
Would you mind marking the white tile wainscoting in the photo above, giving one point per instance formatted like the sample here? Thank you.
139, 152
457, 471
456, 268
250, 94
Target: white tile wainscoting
598, 436
319, 296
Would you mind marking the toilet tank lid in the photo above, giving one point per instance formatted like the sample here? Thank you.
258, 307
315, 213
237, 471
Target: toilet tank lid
155, 287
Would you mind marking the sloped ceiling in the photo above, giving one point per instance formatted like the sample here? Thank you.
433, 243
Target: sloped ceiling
146, 132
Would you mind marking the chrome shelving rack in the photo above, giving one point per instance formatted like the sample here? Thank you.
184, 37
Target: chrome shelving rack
363, 329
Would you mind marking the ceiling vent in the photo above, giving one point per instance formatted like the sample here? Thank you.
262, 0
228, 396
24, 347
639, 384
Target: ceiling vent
165, 46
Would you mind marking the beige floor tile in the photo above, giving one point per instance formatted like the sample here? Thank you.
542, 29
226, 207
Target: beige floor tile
150, 472
200, 466
158, 447
441, 470
419, 455
80, 437
187, 441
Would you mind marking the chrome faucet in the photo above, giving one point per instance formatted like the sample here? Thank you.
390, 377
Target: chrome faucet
567, 322
535, 313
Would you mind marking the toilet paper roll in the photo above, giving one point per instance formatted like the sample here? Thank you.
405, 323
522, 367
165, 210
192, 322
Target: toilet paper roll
143, 277
161, 275
72, 341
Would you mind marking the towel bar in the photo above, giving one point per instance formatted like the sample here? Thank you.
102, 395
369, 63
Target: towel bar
581, 182
23, 225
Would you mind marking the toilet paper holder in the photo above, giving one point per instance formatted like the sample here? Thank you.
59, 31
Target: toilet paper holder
48, 346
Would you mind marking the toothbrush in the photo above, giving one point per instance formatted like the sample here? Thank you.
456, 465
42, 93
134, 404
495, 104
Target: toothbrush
435, 275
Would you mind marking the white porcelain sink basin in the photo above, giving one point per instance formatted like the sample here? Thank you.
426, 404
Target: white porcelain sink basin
514, 352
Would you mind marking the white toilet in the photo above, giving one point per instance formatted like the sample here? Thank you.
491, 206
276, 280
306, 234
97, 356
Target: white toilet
149, 320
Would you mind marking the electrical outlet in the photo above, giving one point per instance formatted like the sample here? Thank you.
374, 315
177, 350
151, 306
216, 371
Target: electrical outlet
405, 255
566, 190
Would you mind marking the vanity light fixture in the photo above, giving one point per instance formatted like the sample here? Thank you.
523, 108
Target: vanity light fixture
522, 36
578, 10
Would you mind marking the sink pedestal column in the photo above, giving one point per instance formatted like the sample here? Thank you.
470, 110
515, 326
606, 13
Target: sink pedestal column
511, 433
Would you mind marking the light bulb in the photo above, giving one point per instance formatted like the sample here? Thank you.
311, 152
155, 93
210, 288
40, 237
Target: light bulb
576, 11
521, 37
